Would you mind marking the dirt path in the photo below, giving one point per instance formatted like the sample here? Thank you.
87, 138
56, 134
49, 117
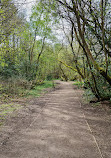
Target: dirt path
53, 126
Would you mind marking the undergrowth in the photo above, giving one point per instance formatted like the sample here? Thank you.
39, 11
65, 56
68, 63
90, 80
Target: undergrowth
79, 84
7, 106
7, 109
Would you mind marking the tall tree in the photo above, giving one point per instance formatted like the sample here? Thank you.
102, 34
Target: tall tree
85, 16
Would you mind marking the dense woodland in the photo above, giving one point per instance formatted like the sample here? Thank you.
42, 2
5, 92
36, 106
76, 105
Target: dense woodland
62, 39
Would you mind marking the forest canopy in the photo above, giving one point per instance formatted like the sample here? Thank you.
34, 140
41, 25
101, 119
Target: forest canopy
67, 39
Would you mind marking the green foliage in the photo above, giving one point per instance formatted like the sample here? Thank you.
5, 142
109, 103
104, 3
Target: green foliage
20, 51
41, 21
102, 85
88, 95
79, 84
29, 51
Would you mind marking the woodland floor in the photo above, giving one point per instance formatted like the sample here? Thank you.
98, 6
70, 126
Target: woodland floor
57, 125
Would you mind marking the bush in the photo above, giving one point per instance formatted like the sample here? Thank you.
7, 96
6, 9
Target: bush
102, 85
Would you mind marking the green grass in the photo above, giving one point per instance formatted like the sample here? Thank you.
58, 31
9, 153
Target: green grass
7, 109
37, 91
78, 83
